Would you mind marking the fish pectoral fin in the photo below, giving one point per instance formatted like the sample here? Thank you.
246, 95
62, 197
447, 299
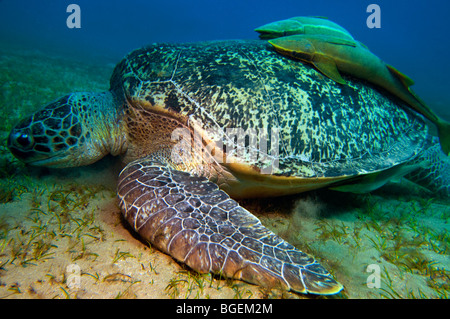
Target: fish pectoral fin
406, 80
328, 67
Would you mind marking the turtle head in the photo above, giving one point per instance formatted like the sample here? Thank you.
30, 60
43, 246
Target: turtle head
78, 129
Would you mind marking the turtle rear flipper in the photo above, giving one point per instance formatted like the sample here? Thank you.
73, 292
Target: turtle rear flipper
189, 218
433, 171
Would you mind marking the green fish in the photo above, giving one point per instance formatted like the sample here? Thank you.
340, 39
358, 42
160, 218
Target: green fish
303, 25
332, 55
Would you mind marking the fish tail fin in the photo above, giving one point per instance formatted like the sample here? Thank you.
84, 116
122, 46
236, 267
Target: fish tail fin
444, 135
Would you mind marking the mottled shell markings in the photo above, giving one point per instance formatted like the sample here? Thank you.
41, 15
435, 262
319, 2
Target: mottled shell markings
325, 129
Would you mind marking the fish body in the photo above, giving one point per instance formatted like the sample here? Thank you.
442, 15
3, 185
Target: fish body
303, 25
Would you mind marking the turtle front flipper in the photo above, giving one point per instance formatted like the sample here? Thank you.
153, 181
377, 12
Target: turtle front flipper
189, 218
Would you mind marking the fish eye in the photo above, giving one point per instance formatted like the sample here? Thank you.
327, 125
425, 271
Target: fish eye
24, 140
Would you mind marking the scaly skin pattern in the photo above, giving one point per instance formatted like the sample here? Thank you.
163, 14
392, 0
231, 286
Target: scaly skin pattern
434, 173
189, 218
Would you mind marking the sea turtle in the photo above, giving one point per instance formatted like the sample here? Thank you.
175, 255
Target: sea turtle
200, 123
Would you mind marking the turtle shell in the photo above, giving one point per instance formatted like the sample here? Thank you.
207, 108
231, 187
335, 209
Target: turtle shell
308, 128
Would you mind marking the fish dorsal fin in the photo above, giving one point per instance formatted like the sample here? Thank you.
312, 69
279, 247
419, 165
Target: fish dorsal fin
407, 81
320, 17
328, 67
363, 45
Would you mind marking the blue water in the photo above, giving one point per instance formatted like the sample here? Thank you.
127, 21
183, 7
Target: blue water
413, 36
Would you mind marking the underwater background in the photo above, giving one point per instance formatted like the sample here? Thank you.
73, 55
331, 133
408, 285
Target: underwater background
59, 225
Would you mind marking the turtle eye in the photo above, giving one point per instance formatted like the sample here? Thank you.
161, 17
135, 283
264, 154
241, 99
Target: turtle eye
24, 140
